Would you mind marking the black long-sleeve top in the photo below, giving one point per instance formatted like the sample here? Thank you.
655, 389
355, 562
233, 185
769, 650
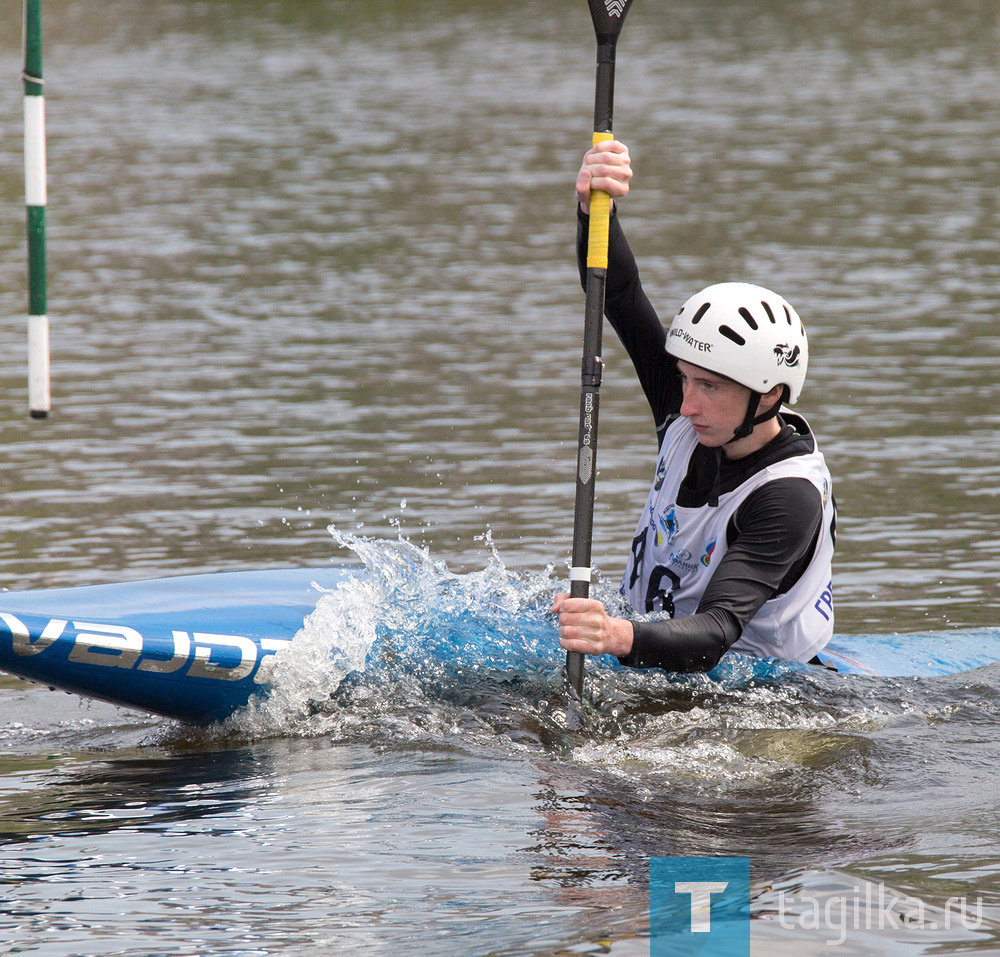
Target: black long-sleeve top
772, 535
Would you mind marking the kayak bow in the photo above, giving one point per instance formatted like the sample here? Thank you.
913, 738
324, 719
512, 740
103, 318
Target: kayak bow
195, 647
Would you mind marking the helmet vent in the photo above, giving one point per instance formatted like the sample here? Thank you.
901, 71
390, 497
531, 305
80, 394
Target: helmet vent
732, 334
788, 315
748, 316
770, 315
700, 314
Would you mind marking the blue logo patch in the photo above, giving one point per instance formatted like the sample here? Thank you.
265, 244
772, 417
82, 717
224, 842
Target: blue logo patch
669, 525
700, 906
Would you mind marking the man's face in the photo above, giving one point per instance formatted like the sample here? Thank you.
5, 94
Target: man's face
715, 406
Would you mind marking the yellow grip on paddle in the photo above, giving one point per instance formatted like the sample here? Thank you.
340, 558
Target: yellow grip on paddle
600, 220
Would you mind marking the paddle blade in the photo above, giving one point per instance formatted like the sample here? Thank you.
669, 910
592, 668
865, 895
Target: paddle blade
609, 15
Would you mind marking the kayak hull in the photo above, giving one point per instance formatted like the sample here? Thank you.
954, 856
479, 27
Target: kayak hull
197, 648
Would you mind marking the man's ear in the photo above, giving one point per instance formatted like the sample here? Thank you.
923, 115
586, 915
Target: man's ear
768, 399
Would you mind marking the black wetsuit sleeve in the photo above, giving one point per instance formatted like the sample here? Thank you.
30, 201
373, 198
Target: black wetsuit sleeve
634, 319
771, 538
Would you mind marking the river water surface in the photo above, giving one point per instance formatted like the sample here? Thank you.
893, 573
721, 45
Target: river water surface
311, 265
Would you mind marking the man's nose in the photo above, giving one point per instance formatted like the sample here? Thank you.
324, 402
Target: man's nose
688, 405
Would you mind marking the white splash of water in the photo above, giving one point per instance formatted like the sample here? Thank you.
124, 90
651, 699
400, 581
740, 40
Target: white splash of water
426, 614
333, 642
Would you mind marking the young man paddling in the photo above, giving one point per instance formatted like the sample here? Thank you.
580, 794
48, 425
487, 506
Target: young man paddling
734, 545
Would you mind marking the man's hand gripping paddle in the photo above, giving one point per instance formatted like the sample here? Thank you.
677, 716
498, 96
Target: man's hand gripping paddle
608, 16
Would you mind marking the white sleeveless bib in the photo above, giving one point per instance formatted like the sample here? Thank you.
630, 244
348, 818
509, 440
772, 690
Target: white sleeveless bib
676, 551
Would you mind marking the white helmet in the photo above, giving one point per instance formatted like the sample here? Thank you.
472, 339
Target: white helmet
744, 332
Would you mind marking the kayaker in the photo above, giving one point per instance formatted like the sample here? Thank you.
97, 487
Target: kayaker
734, 546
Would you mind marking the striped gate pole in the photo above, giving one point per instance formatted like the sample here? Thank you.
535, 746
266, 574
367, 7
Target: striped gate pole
35, 198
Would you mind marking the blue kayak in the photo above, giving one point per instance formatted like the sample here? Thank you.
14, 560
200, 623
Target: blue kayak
199, 647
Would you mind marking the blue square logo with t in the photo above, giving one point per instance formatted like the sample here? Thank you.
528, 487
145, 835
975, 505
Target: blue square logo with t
700, 906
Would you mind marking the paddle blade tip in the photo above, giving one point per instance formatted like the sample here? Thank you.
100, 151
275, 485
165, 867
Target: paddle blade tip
608, 16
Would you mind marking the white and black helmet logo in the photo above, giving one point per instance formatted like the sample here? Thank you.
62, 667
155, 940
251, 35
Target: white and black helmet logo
785, 356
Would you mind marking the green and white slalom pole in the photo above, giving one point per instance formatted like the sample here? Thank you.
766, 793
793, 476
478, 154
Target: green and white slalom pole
36, 199
608, 17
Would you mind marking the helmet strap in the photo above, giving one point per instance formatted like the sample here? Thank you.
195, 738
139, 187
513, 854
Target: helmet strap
752, 420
